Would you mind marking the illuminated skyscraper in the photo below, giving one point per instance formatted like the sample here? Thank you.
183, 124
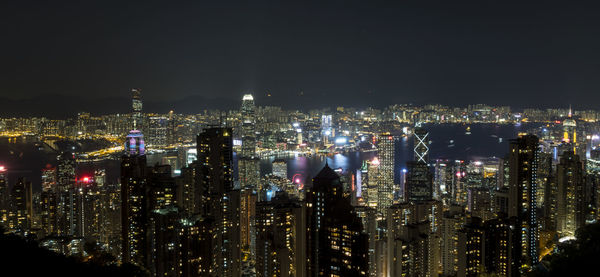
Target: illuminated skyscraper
421, 145
281, 237
413, 238
65, 194
136, 107
134, 208
471, 248
386, 186
523, 161
570, 194
248, 131
22, 206
220, 203
336, 244
419, 182
4, 197
280, 168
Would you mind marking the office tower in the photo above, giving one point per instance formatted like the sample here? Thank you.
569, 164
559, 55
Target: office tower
281, 237
419, 182
336, 244
570, 194
327, 130
110, 215
280, 168
385, 187
248, 131
413, 238
22, 206
570, 132
523, 160
4, 198
421, 145
369, 190
471, 248
220, 203
171, 129
136, 108
452, 221
134, 208
442, 178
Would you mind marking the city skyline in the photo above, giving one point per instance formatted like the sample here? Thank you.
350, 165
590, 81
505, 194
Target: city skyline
300, 139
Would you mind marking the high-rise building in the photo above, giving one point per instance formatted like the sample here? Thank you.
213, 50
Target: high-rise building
523, 161
134, 208
413, 238
336, 244
4, 198
421, 145
471, 248
452, 221
22, 206
65, 194
500, 254
248, 128
386, 186
570, 194
136, 108
419, 182
219, 201
280, 168
281, 237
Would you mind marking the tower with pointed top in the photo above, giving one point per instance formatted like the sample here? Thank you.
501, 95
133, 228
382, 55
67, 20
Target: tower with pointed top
136, 107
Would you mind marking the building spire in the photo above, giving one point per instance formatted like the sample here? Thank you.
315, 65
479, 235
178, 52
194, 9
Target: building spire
570, 111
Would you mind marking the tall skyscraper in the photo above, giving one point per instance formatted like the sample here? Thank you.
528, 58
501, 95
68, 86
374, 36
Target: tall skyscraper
523, 161
4, 197
421, 145
413, 238
281, 237
134, 208
65, 194
248, 128
136, 108
22, 206
336, 244
219, 202
386, 186
570, 196
419, 182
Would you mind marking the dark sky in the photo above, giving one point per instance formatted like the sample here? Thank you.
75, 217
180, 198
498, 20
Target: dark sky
337, 52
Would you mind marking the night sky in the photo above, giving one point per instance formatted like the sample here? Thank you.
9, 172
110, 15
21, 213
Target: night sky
354, 53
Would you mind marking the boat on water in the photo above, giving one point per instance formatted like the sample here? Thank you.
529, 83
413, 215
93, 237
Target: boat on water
468, 132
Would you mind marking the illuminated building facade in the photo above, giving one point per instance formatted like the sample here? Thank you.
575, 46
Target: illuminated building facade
471, 249
22, 206
570, 194
523, 160
419, 182
136, 107
134, 208
281, 237
421, 145
336, 244
220, 203
385, 186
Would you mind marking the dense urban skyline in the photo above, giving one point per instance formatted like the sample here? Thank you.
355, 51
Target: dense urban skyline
263, 139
